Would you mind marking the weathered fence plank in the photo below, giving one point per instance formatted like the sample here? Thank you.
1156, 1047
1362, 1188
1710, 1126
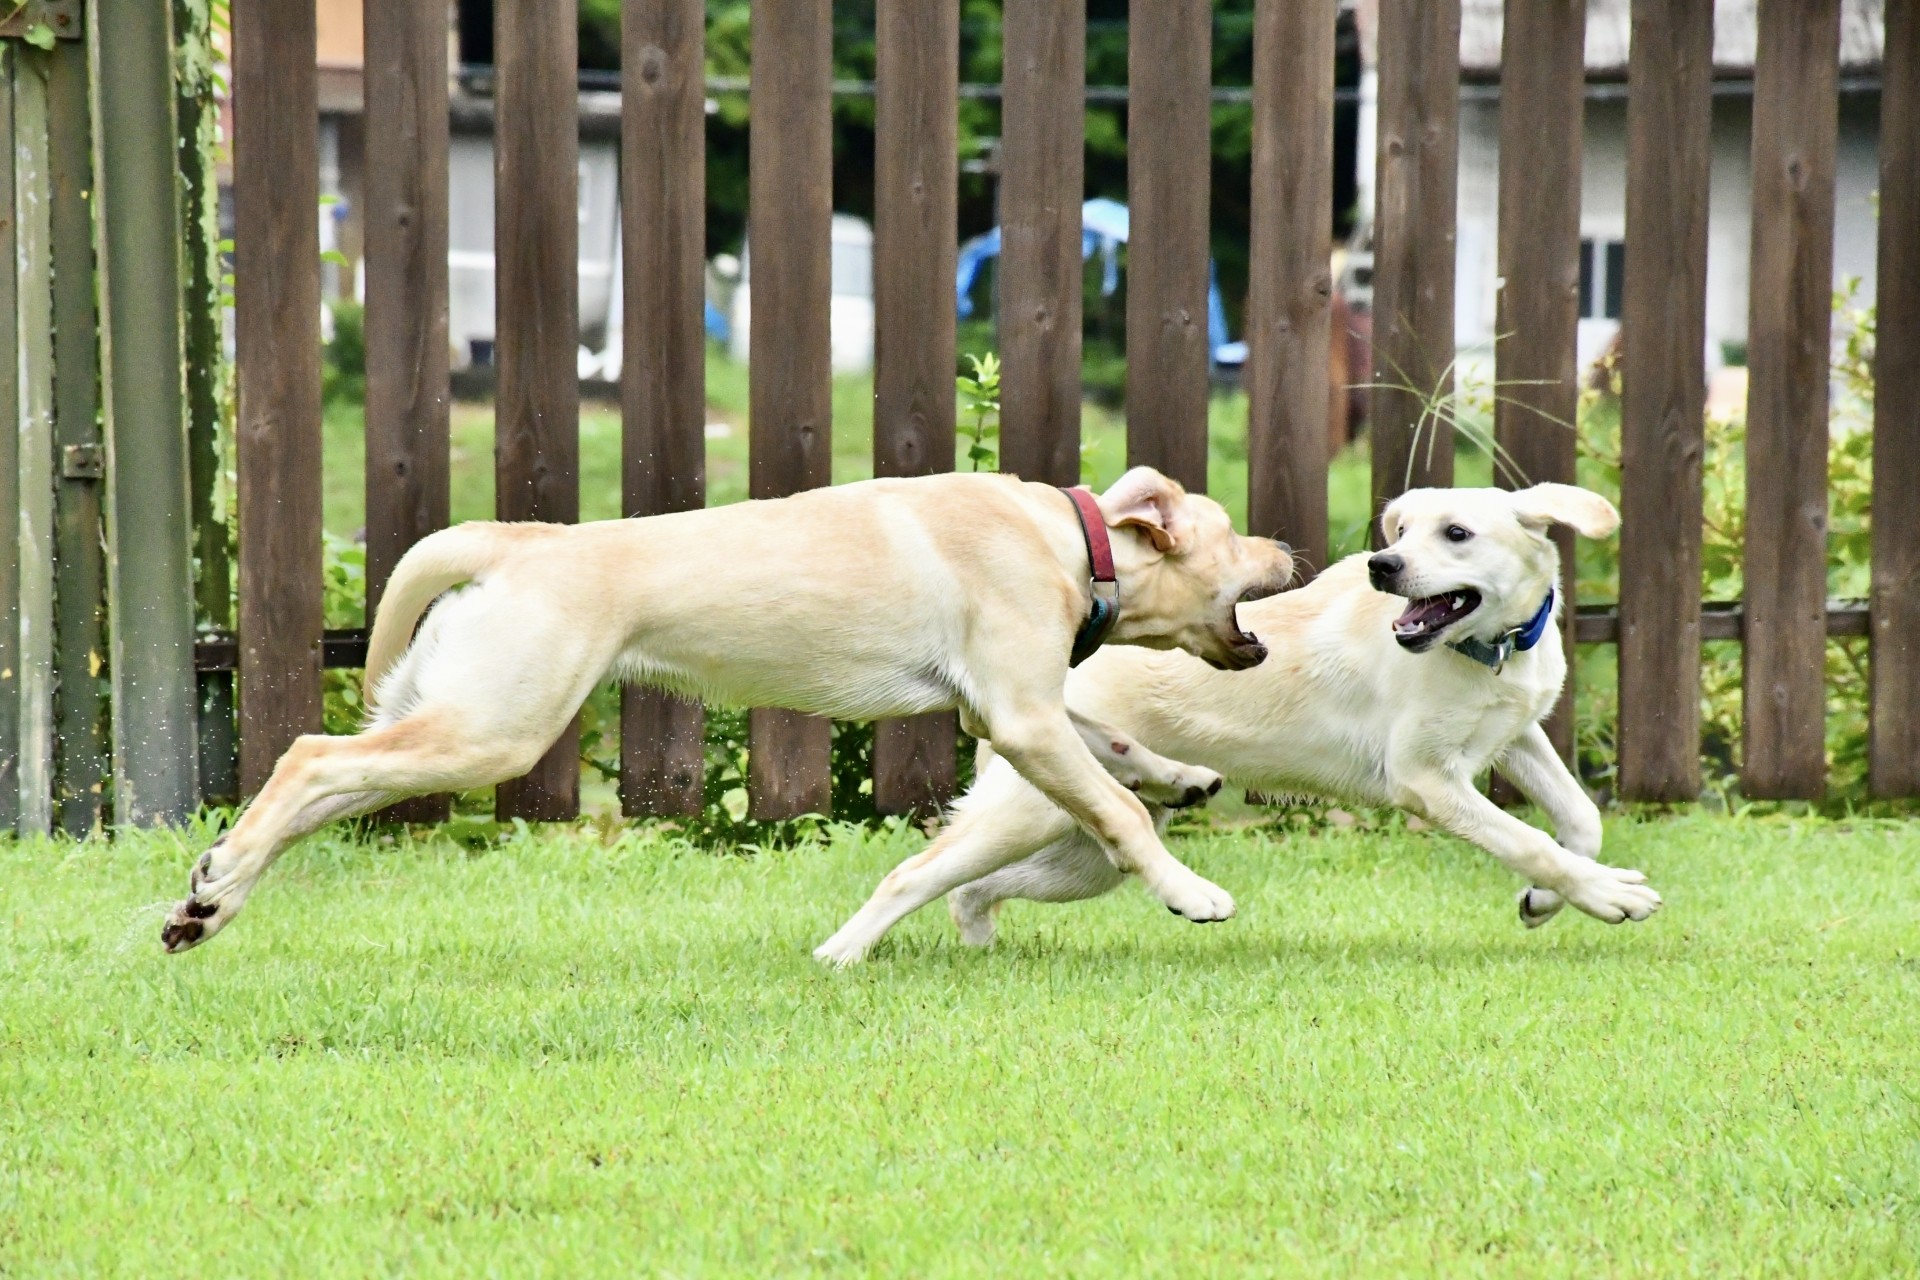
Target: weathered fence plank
79, 588
1542, 98
405, 217
149, 523
1043, 123
9, 459
1796, 122
1669, 114
916, 124
1413, 243
663, 354
1169, 163
1290, 296
536, 308
790, 397
1895, 666
33, 522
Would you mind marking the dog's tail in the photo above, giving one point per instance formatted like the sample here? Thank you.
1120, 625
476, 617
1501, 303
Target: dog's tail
434, 564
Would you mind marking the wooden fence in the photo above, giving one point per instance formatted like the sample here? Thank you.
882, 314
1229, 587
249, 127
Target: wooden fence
1660, 620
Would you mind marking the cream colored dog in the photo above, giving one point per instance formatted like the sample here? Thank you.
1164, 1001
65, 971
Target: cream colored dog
885, 598
1392, 680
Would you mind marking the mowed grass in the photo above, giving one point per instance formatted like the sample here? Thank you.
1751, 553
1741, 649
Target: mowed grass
591, 1052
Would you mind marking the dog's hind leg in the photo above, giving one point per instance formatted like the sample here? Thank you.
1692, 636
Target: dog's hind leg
1537, 770
1070, 869
323, 778
1001, 820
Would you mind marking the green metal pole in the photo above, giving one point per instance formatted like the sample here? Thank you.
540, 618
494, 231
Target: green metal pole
149, 516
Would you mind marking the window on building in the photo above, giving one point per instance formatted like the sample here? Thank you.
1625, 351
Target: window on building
1602, 271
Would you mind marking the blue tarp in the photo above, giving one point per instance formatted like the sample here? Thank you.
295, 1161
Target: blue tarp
1104, 226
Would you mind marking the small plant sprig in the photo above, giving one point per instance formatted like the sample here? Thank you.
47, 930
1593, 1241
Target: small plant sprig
980, 402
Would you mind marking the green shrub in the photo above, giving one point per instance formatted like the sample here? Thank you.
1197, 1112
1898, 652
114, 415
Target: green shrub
1723, 556
344, 373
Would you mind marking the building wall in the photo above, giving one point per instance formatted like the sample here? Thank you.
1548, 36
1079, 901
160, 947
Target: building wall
1603, 214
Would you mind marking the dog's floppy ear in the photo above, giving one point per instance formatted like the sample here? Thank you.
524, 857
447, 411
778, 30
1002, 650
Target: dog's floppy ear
1585, 511
1150, 502
1390, 524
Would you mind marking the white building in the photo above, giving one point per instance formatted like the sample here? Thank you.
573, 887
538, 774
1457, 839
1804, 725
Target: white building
1604, 165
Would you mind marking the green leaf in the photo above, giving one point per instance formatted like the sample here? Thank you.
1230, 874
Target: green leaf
336, 257
40, 36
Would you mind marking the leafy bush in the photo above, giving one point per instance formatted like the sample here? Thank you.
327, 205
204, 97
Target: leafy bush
344, 375
1723, 469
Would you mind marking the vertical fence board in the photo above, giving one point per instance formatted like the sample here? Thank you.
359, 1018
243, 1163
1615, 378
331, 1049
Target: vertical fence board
1895, 666
790, 397
1796, 121
405, 217
197, 91
1542, 100
149, 559
536, 282
79, 597
1289, 303
1044, 128
1669, 115
1169, 163
9, 460
1413, 239
33, 301
663, 355
916, 125
33, 525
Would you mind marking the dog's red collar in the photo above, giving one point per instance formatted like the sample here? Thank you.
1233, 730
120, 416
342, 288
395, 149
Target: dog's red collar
1105, 585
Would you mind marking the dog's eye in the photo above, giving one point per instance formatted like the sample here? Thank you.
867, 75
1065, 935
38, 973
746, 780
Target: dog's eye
1456, 534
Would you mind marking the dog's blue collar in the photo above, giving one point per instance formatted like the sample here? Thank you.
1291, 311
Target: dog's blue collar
1494, 653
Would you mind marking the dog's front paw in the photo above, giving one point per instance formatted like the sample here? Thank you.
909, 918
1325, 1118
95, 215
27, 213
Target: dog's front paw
843, 950
1190, 896
1612, 894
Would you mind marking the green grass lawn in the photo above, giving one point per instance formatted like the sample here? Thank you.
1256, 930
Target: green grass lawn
588, 1052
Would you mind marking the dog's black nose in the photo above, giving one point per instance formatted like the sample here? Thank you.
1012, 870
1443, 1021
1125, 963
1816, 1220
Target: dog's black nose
1382, 568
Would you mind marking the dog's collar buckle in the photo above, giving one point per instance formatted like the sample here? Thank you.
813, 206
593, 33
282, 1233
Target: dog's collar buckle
1494, 653
1105, 584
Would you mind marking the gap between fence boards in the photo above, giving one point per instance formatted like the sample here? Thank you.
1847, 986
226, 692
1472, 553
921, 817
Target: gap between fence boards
346, 649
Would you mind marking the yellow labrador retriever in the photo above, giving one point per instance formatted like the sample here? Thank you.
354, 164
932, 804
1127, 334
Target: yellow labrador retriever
885, 598
1393, 680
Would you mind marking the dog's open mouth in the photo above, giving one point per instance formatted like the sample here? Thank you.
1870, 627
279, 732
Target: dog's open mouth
1244, 650
1425, 619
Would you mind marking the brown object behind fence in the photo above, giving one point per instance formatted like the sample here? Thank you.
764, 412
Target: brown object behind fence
1289, 316
790, 394
536, 256
1669, 114
915, 194
663, 187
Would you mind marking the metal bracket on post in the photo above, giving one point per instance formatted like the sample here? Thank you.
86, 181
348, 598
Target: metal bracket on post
21, 19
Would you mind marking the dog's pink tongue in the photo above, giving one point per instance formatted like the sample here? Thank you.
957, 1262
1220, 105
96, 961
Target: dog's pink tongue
1419, 613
